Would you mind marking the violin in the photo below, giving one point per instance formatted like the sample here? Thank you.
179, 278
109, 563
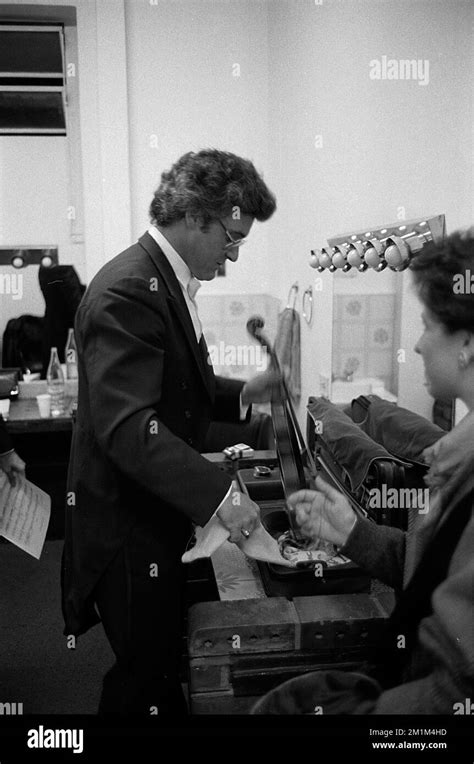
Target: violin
296, 464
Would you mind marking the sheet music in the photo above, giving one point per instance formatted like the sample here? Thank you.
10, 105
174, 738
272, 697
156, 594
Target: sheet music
24, 514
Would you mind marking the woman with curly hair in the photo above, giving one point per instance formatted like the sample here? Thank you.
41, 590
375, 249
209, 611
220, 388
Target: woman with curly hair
431, 566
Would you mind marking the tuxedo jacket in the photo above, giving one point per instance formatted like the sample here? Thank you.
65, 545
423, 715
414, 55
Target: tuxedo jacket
147, 394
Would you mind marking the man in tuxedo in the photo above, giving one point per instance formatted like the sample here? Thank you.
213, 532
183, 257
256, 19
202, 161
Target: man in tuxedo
147, 394
10, 462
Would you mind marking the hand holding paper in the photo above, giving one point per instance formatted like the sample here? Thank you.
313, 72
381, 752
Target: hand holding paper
12, 465
24, 514
238, 514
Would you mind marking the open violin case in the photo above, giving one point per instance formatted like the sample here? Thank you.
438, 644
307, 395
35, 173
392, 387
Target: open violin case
278, 580
350, 450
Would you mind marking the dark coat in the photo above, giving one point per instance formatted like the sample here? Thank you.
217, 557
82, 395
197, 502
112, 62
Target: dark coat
439, 666
146, 398
434, 613
62, 292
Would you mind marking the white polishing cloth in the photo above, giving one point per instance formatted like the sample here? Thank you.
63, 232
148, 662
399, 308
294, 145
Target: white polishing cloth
259, 545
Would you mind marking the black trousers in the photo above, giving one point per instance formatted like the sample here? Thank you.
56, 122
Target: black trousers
139, 599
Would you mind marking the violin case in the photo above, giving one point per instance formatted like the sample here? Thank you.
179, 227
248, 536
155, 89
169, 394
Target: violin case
346, 456
278, 580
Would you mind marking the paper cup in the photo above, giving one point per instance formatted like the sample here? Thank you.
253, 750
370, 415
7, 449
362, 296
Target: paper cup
5, 407
44, 405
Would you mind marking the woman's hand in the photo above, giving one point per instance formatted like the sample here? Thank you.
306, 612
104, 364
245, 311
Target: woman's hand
324, 513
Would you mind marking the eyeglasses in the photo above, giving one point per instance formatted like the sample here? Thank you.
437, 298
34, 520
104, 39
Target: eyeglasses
232, 243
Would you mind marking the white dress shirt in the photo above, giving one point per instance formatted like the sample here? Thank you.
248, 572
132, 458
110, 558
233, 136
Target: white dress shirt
186, 279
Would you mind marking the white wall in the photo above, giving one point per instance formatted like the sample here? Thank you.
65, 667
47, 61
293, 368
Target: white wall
184, 95
385, 144
157, 78
40, 184
101, 97
33, 211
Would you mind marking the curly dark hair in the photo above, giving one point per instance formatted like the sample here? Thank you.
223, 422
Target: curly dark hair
211, 184
437, 269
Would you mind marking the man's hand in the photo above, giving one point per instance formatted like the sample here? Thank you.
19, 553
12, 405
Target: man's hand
324, 513
259, 388
12, 465
237, 514
451, 455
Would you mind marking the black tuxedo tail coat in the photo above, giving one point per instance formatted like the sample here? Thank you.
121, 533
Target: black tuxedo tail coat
146, 398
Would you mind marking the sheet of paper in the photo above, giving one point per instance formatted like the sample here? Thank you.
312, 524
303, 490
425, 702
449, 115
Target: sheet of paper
24, 514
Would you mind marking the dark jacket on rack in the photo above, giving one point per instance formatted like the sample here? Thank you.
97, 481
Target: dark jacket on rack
62, 292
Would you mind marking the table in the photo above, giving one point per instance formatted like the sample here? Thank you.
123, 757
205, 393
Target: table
24, 418
44, 445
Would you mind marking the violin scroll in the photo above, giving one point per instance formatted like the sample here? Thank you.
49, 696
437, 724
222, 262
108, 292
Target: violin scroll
255, 325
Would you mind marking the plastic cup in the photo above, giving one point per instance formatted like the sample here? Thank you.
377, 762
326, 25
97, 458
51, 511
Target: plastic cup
5, 407
44, 405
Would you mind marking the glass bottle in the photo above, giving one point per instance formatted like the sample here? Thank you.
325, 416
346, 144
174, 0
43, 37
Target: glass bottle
70, 355
55, 384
